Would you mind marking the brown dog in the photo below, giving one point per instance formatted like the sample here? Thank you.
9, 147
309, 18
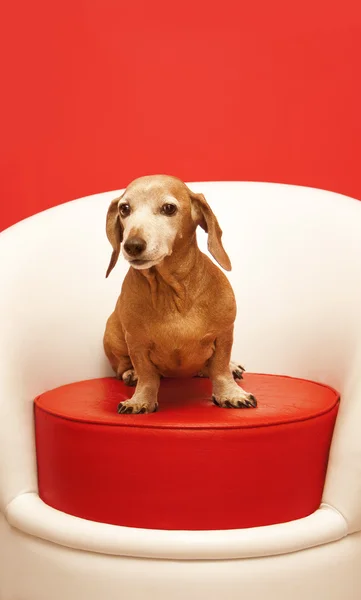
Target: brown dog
175, 314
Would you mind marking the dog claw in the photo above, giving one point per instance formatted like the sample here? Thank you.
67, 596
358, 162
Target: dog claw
238, 374
237, 371
125, 409
252, 401
246, 402
129, 378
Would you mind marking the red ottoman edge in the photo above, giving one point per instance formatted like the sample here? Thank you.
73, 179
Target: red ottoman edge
191, 465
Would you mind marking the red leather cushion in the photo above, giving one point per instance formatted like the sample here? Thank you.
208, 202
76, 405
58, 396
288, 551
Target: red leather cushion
191, 465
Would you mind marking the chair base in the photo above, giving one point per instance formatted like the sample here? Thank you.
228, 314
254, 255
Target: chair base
33, 569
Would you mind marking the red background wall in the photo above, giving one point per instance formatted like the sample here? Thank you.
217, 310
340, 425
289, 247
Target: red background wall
97, 92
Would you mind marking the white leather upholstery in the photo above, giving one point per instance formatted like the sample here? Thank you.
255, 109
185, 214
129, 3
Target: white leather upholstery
34, 569
296, 255
29, 514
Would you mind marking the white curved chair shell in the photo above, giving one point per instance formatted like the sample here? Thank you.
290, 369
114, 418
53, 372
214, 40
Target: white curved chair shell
296, 255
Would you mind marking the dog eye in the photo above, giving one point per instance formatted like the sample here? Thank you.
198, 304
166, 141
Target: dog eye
124, 210
169, 209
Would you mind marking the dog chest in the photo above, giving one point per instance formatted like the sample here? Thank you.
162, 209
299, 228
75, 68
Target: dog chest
180, 351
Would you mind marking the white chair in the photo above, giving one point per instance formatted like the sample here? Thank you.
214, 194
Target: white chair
296, 255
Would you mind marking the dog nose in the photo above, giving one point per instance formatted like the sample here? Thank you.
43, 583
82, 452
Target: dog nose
135, 246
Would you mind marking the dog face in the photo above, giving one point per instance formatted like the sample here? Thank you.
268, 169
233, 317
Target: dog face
154, 216
150, 214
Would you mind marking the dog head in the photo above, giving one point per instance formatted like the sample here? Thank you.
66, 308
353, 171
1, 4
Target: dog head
154, 216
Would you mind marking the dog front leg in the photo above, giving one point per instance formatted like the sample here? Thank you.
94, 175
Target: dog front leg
225, 391
145, 398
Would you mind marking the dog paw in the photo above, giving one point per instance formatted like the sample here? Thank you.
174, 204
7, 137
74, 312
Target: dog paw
237, 370
234, 398
134, 406
201, 374
130, 378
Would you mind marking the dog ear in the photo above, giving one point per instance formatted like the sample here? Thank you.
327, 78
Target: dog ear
204, 216
114, 231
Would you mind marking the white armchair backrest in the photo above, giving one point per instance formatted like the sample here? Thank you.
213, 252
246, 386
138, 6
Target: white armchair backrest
296, 255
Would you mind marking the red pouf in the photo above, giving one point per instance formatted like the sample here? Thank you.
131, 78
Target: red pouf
191, 465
